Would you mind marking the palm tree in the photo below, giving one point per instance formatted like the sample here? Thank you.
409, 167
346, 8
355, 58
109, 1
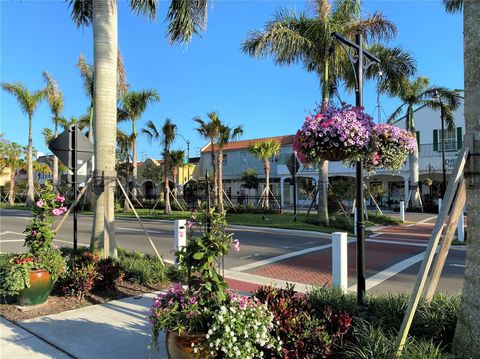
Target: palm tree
12, 154
225, 135
210, 131
264, 151
55, 101
177, 159
134, 105
124, 146
297, 38
166, 137
467, 332
185, 18
28, 102
414, 93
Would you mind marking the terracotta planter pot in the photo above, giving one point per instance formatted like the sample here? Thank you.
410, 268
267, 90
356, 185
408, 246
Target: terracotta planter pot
180, 346
40, 287
335, 154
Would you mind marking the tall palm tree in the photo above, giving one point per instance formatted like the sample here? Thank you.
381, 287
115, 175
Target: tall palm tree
210, 131
185, 18
264, 151
166, 136
124, 146
55, 101
28, 102
293, 37
177, 159
133, 106
12, 157
465, 342
414, 93
225, 135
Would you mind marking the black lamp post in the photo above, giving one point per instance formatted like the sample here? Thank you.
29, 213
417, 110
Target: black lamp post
188, 154
360, 61
444, 171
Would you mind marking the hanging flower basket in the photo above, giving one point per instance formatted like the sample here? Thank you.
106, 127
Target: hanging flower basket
337, 134
390, 146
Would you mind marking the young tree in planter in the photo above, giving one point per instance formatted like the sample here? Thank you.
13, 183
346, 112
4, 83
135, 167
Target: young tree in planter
225, 135
134, 105
414, 93
264, 151
185, 19
12, 157
166, 136
28, 102
177, 158
466, 342
293, 37
250, 177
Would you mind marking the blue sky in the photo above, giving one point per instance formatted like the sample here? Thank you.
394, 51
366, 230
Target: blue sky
210, 73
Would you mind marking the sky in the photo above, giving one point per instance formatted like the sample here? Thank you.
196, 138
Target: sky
210, 73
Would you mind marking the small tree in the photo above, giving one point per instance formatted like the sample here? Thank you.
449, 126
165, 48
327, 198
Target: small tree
12, 154
264, 151
250, 177
177, 158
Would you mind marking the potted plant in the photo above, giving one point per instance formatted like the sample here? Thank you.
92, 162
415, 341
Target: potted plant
337, 134
31, 276
190, 315
389, 147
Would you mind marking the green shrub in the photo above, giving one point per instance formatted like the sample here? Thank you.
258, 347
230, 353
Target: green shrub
142, 268
383, 219
322, 297
109, 272
81, 274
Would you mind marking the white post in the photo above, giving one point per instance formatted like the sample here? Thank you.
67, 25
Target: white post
339, 260
461, 228
402, 211
355, 220
439, 205
406, 191
179, 236
282, 191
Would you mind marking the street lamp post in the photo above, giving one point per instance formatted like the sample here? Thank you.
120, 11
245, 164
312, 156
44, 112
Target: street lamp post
188, 154
360, 61
444, 171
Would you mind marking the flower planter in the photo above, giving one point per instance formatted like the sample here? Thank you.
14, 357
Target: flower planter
40, 287
335, 154
179, 346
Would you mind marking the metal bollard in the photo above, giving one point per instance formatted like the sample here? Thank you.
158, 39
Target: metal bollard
339, 260
179, 236
461, 228
402, 211
355, 221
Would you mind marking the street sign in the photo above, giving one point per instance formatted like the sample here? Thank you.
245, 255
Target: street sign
63, 146
293, 165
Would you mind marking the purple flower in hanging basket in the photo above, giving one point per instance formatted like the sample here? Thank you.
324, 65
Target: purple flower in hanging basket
335, 134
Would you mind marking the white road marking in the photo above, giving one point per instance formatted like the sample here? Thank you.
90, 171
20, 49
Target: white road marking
11, 240
281, 257
457, 265
17, 233
140, 230
71, 242
423, 221
382, 276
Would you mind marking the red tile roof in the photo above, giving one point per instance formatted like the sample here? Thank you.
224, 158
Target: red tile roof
237, 145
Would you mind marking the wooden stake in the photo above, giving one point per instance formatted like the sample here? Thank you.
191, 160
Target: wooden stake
455, 177
451, 227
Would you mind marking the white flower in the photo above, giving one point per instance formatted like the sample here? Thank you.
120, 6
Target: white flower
211, 345
210, 331
227, 329
195, 350
234, 339
193, 344
207, 336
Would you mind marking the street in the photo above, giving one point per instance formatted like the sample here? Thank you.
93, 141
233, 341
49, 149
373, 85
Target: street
393, 254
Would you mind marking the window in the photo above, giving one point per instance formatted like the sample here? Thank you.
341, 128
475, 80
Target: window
450, 139
224, 162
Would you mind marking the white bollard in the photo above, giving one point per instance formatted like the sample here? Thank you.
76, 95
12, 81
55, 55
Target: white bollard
461, 228
339, 260
179, 236
355, 221
402, 211
439, 205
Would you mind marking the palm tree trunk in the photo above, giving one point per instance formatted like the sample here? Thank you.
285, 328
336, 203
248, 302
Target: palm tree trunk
11, 192
266, 166
30, 193
220, 181
134, 150
174, 175
466, 341
214, 171
105, 124
126, 206
415, 199
322, 186
168, 208
55, 159
90, 193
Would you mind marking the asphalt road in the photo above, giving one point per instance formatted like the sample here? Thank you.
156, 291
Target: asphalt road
264, 249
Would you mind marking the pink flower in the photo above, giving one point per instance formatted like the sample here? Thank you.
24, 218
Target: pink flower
236, 245
40, 203
189, 224
63, 209
57, 212
60, 198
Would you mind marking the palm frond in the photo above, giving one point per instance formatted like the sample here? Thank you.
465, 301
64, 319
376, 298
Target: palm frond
185, 19
122, 85
453, 5
176, 158
53, 94
265, 149
168, 133
28, 101
135, 103
81, 11
346, 11
374, 27
394, 116
86, 72
145, 7
150, 131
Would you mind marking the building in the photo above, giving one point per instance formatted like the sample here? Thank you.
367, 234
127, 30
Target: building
237, 159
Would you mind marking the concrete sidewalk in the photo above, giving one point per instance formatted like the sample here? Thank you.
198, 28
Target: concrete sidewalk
118, 329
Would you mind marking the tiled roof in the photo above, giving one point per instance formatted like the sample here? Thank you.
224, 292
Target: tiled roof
237, 145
